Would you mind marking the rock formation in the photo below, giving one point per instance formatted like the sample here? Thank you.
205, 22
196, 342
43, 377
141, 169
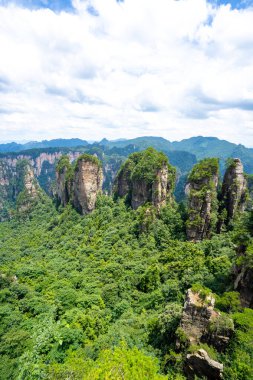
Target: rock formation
79, 185
201, 190
244, 284
26, 186
233, 193
30, 183
146, 177
87, 183
197, 314
64, 181
201, 323
200, 364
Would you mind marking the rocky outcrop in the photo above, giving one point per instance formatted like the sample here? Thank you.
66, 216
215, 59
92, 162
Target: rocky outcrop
201, 365
87, 183
197, 315
201, 323
160, 188
123, 181
244, 285
64, 181
233, 193
146, 177
26, 186
201, 190
30, 183
79, 184
18, 187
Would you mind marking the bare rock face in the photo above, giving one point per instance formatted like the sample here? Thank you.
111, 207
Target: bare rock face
161, 189
234, 191
146, 177
64, 181
197, 314
244, 285
30, 183
27, 188
88, 180
201, 323
123, 183
141, 193
200, 364
79, 184
61, 187
201, 190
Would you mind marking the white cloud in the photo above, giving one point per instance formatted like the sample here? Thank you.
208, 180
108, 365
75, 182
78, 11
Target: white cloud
156, 67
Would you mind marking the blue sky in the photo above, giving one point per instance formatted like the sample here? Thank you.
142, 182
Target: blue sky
57, 5
66, 73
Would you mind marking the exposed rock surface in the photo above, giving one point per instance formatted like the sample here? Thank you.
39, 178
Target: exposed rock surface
201, 323
201, 190
80, 184
123, 182
62, 187
244, 285
197, 314
87, 183
16, 183
200, 364
64, 181
146, 177
30, 183
234, 191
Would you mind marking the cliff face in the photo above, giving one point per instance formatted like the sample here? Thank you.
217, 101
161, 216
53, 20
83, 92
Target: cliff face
201, 190
17, 183
201, 365
79, 185
244, 280
201, 323
30, 183
244, 284
88, 180
234, 191
197, 314
123, 182
146, 177
161, 187
64, 180
27, 187
43, 165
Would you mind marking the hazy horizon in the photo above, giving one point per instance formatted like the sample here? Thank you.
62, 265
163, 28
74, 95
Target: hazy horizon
99, 140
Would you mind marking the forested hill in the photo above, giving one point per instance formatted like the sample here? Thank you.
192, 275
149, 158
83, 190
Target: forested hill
131, 285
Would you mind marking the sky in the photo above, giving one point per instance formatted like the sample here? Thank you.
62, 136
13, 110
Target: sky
126, 68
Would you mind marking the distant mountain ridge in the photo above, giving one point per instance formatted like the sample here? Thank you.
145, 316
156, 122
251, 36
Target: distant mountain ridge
55, 143
201, 147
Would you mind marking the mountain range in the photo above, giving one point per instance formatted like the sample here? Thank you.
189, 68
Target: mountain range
199, 146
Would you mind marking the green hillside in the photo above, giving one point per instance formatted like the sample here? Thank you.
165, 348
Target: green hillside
95, 297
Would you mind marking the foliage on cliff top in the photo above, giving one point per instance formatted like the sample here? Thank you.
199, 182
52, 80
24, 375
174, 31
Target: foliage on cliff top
90, 158
204, 169
144, 165
63, 163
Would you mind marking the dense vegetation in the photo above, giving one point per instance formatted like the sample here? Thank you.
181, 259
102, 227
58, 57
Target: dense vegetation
100, 296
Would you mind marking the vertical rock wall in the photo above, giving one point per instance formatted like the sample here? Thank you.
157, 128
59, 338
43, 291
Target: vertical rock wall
201, 190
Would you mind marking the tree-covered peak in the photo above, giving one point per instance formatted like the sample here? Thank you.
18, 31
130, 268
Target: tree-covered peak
145, 165
205, 169
88, 158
